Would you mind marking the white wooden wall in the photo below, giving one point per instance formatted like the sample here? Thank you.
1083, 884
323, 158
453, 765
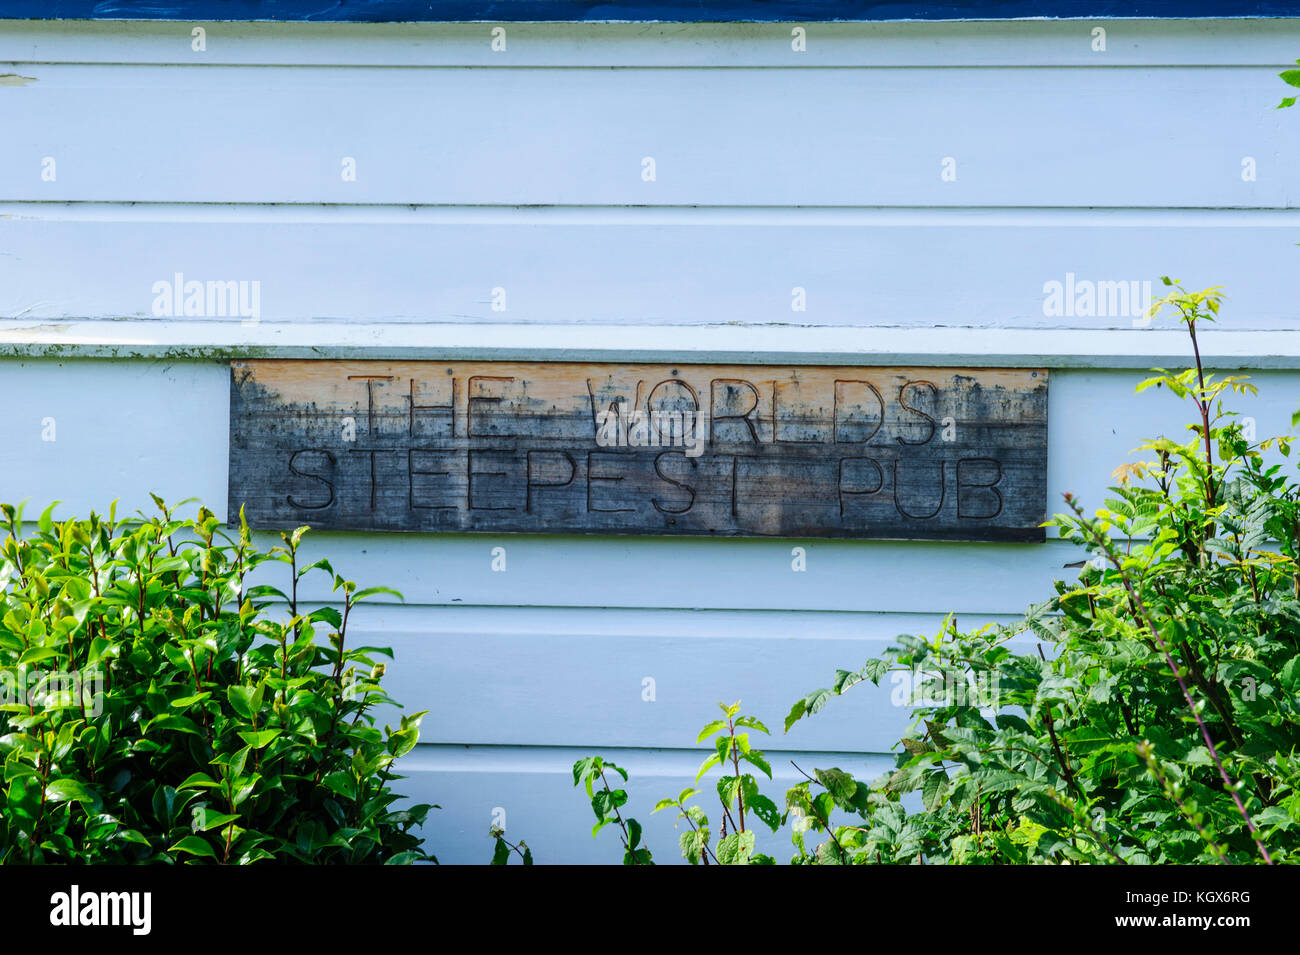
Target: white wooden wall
522, 170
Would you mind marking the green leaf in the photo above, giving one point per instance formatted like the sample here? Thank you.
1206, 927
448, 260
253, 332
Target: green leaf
709, 729
46, 522
605, 801
815, 701
36, 655
131, 835
174, 722
198, 781
829, 854
586, 767
765, 809
1085, 739
994, 780
372, 591
712, 760
1290, 674
329, 615
500, 854
246, 700
65, 790
838, 783
259, 738
934, 791
341, 783
874, 669
190, 700
735, 848
750, 722
755, 758
692, 844
194, 846
796, 713
208, 821
401, 858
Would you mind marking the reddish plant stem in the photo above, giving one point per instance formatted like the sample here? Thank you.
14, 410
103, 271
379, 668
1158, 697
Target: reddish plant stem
1146, 620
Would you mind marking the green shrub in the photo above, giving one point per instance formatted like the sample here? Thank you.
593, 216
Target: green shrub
154, 710
1162, 728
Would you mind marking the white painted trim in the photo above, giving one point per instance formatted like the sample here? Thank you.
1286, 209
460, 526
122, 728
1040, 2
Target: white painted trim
754, 344
1250, 41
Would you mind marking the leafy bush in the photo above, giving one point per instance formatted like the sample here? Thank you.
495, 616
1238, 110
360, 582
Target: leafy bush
1162, 728
154, 711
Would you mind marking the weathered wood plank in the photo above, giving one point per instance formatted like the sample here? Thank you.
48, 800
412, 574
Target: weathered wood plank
723, 450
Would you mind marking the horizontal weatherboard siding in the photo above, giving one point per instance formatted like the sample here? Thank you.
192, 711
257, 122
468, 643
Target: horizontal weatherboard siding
636, 267
1110, 137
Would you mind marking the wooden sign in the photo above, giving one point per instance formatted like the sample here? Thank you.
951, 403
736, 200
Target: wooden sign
575, 448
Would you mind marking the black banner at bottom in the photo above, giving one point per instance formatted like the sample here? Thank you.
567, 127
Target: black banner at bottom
143, 906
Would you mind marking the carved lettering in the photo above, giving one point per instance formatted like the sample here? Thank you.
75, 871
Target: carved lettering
718, 450
328, 482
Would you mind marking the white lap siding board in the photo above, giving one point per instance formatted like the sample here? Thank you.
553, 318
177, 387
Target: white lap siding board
522, 171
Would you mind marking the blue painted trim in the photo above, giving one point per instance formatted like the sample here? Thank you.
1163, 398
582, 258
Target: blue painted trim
635, 10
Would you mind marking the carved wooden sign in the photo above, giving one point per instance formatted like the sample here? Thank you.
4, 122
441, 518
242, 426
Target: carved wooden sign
567, 448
